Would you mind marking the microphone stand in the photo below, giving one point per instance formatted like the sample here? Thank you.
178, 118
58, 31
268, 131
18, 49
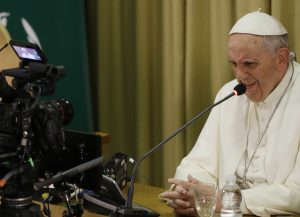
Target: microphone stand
238, 90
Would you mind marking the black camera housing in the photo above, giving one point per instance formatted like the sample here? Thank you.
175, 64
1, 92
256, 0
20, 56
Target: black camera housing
32, 137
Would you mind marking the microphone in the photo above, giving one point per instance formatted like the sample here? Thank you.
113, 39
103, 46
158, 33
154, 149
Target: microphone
239, 89
7, 93
69, 173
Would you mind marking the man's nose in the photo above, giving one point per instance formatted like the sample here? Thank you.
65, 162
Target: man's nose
240, 70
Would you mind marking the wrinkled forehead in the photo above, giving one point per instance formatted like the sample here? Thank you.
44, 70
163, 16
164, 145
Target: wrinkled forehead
242, 46
241, 40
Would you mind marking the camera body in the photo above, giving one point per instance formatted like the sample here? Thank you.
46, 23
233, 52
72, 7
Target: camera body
23, 118
31, 131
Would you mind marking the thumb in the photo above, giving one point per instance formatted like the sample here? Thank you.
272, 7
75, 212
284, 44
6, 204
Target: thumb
193, 180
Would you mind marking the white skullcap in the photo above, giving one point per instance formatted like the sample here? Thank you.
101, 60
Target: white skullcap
258, 23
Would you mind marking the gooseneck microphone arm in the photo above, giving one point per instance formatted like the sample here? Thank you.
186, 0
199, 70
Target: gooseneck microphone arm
238, 90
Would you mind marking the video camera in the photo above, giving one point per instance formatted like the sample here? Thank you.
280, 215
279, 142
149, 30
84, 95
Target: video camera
31, 132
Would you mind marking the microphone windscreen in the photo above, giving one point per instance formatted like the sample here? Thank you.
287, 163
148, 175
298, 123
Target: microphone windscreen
239, 89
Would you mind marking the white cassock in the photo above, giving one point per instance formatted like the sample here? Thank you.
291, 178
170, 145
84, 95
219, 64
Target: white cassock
274, 171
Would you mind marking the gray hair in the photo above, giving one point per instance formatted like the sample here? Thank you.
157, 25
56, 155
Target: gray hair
274, 42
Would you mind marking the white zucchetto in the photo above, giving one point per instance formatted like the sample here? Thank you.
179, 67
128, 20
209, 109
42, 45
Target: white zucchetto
258, 23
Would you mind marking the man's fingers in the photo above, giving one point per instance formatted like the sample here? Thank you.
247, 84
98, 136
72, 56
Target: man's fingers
186, 185
180, 189
175, 181
193, 180
181, 207
172, 195
178, 204
182, 203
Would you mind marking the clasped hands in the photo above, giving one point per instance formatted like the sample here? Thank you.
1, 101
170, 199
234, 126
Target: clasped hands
181, 196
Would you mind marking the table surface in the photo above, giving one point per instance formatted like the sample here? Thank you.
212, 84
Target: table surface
144, 194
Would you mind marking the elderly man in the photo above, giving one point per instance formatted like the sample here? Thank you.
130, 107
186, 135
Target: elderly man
254, 136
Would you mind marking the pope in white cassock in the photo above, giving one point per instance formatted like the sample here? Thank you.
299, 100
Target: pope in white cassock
255, 136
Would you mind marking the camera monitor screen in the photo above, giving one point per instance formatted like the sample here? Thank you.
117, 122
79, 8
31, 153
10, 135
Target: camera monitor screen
28, 51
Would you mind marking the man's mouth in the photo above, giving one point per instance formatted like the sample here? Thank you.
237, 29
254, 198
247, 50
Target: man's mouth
248, 84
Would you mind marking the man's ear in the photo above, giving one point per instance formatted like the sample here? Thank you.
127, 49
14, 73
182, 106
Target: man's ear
283, 55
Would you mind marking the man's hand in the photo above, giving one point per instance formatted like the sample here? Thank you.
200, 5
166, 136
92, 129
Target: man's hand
181, 196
